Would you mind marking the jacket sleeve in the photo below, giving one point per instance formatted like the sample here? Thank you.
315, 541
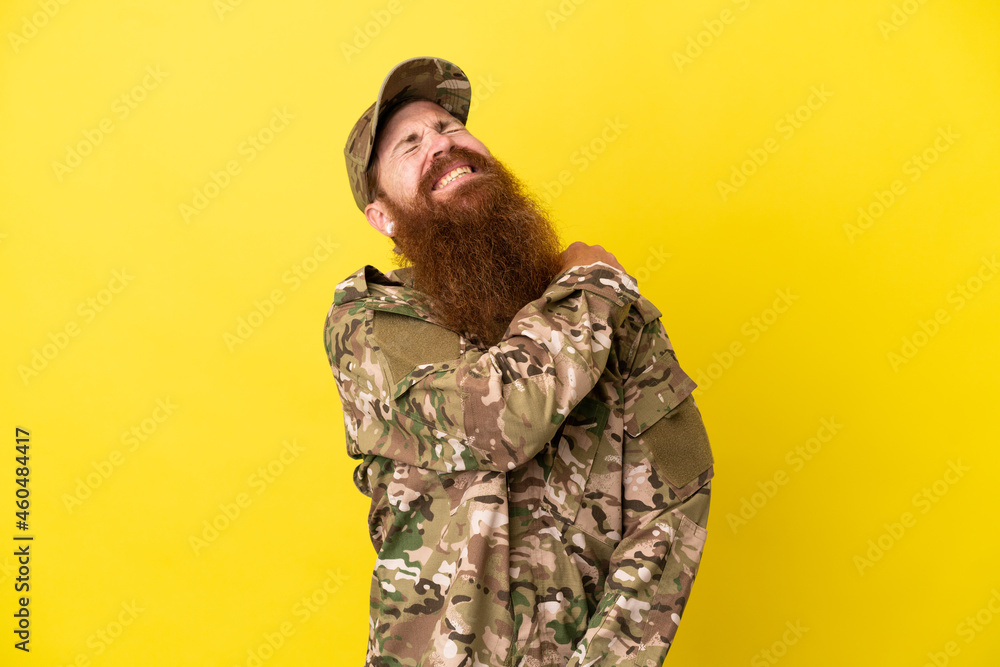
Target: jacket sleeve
667, 467
487, 410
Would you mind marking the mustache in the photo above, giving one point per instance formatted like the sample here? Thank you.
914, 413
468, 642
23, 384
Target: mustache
442, 165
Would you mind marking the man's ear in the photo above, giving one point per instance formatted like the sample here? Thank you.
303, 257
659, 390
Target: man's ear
377, 216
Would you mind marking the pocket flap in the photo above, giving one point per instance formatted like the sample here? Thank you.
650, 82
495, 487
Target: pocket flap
658, 389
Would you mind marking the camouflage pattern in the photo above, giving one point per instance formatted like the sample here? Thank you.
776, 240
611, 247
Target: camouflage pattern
433, 79
523, 510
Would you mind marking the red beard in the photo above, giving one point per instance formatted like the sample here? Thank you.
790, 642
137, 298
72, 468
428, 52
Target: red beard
480, 254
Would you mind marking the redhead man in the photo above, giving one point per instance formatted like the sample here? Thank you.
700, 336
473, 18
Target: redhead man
539, 473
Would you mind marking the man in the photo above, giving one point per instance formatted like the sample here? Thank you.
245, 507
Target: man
539, 472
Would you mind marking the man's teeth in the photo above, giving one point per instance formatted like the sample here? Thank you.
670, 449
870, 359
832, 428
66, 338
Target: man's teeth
452, 176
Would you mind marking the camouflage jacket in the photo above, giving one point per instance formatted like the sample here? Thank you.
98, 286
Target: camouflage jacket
540, 502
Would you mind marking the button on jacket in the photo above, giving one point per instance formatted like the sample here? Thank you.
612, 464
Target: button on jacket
543, 501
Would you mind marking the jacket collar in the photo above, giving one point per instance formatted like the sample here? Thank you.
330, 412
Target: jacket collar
385, 291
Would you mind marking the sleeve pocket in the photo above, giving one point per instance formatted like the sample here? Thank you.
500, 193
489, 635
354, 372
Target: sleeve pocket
679, 447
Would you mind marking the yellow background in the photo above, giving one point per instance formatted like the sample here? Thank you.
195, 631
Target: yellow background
549, 79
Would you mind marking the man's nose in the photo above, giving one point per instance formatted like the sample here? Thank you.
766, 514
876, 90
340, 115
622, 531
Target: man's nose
441, 144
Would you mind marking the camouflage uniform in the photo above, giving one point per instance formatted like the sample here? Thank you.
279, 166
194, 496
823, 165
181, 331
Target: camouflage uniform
541, 502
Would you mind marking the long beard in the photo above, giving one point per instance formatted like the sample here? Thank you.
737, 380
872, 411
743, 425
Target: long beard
482, 253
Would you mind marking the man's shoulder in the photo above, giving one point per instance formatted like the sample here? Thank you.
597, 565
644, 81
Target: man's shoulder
645, 311
352, 288
636, 323
369, 289
655, 384
347, 314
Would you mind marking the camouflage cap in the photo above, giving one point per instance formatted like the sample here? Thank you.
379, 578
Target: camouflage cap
433, 79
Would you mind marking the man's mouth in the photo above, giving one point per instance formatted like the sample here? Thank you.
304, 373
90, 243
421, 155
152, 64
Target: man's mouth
454, 175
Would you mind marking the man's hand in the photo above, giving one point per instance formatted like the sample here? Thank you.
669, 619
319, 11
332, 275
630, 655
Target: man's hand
579, 253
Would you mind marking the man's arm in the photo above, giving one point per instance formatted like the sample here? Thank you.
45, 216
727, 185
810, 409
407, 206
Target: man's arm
490, 410
667, 467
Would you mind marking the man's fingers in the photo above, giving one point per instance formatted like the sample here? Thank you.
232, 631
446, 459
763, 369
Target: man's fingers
578, 253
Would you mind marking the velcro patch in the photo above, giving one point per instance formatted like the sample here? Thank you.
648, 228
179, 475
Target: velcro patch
679, 444
408, 342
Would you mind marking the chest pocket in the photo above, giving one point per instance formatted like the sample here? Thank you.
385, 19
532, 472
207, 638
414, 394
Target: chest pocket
569, 458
